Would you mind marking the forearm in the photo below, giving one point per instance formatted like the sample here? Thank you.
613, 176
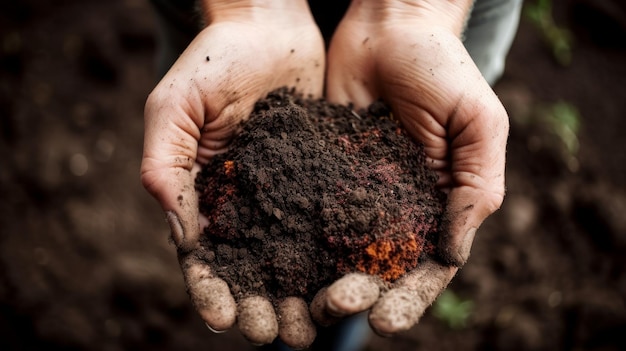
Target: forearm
238, 10
449, 14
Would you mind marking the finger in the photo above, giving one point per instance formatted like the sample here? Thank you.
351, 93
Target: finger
463, 216
296, 329
170, 148
478, 132
318, 310
210, 295
350, 65
401, 307
257, 320
353, 293
175, 191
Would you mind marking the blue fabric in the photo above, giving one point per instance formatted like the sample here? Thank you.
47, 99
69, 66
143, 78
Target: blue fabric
490, 33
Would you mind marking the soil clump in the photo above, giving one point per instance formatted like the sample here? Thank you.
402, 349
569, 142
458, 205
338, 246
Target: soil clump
310, 191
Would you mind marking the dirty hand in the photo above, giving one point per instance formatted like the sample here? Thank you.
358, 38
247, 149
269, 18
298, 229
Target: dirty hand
248, 49
410, 55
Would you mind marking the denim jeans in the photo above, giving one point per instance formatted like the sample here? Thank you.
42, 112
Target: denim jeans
488, 37
489, 34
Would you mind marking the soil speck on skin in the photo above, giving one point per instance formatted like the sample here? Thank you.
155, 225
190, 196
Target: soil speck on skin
308, 192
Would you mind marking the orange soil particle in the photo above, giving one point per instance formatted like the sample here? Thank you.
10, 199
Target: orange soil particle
391, 259
229, 168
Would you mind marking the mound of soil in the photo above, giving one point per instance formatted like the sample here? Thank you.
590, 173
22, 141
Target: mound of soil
310, 191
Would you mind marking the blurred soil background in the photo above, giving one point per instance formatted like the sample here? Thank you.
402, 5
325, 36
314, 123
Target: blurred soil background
85, 261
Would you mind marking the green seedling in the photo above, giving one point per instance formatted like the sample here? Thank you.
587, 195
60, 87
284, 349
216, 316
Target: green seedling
559, 39
563, 119
453, 310
560, 124
560, 119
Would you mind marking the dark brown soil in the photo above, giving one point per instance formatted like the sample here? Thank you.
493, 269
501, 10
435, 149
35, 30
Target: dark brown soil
310, 191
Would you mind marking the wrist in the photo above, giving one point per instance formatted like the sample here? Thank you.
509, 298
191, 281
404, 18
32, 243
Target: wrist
268, 11
451, 15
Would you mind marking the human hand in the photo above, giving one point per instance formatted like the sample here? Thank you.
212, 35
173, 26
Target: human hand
410, 55
247, 50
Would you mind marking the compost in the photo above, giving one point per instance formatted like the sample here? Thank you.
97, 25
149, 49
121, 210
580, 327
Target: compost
309, 191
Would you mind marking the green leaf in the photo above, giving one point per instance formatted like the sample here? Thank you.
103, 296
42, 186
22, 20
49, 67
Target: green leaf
564, 120
559, 40
452, 310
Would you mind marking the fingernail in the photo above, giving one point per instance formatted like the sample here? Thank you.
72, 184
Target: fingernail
466, 245
333, 310
213, 330
381, 334
176, 227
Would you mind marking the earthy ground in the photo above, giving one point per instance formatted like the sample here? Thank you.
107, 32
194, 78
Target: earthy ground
85, 261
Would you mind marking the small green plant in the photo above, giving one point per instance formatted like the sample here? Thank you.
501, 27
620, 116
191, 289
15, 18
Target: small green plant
558, 125
559, 39
453, 310
563, 119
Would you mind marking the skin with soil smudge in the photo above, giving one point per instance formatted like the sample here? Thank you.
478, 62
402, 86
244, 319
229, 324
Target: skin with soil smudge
310, 191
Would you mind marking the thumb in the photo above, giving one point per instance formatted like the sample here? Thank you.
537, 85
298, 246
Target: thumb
478, 133
464, 214
174, 189
170, 148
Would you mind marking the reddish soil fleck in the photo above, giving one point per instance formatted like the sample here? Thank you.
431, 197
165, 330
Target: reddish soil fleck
310, 191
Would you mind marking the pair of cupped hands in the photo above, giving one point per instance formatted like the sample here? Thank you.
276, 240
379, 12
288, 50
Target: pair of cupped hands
411, 57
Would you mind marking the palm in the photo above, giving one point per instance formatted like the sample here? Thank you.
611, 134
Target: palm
212, 88
231, 65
